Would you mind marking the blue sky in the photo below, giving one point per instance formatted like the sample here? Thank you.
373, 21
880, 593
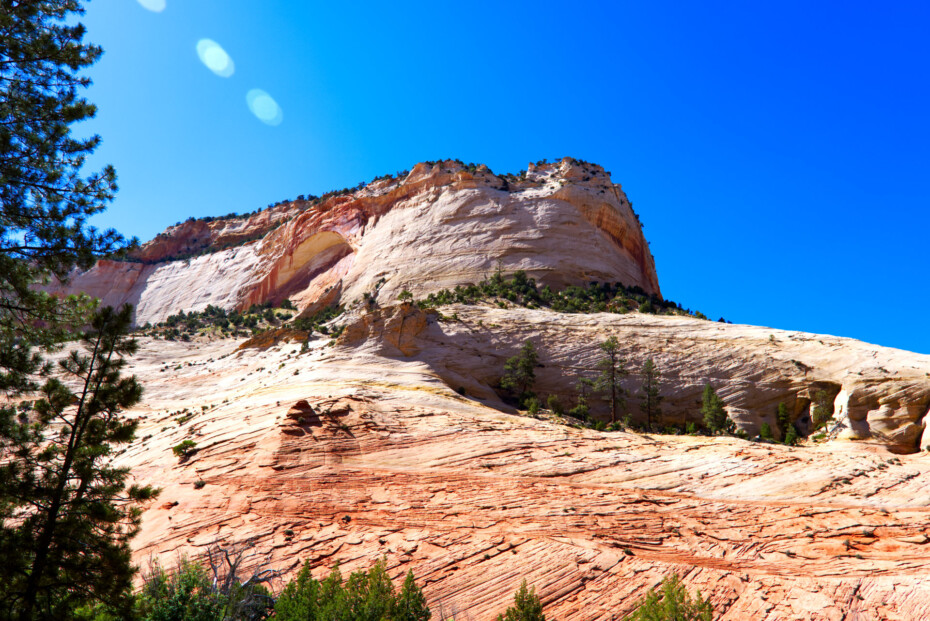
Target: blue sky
778, 153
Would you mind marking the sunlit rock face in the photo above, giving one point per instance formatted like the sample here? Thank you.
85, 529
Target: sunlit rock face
440, 226
391, 444
392, 441
879, 394
443, 225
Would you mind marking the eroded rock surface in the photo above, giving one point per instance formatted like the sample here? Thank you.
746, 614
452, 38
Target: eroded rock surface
441, 225
392, 442
879, 393
362, 450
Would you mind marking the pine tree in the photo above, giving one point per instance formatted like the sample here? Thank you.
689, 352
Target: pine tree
410, 604
520, 372
823, 409
652, 400
581, 409
365, 596
45, 199
63, 531
782, 420
67, 515
526, 606
672, 603
612, 371
715, 416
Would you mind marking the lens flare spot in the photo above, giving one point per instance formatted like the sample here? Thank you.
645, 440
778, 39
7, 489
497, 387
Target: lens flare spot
264, 107
215, 58
156, 6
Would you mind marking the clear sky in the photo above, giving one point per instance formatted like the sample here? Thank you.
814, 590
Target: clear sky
777, 153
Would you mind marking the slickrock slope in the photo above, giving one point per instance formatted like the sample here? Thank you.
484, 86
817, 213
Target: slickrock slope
361, 450
391, 442
879, 393
439, 226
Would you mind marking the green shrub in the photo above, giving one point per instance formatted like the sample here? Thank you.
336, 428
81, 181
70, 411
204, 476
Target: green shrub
365, 596
185, 448
532, 405
553, 403
672, 602
192, 593
186, 594
765, 432
580, 412
519, 289
526, 606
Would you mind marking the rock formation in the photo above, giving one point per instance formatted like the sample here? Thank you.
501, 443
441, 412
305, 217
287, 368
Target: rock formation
392, 441
361, 450
878, 393
441, 225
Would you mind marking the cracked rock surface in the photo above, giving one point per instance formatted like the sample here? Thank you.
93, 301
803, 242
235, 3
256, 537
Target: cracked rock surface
362, 450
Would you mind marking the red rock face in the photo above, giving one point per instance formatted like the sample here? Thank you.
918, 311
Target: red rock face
195, 236
441, 226
354, 453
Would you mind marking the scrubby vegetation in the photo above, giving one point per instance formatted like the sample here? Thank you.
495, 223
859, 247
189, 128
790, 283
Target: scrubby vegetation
596, 297
218, 322
526, 606
185, 448
218, 589
603, 383
672, 602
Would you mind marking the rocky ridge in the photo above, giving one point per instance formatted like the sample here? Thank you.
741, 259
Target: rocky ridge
391, 441
443, 224
362, 449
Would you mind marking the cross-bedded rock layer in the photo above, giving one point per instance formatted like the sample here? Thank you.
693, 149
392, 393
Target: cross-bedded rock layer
439, 226
362, 450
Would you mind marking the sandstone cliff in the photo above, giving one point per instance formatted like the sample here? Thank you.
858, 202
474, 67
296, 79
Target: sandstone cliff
362, 450
439, 226
878, 393
391, 441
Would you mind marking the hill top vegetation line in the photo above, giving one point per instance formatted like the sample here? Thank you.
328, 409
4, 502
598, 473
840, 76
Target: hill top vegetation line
596, 297
305, 202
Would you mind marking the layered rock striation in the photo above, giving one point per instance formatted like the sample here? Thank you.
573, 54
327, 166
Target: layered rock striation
877, 393
441, 225
361, 450
392, 441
